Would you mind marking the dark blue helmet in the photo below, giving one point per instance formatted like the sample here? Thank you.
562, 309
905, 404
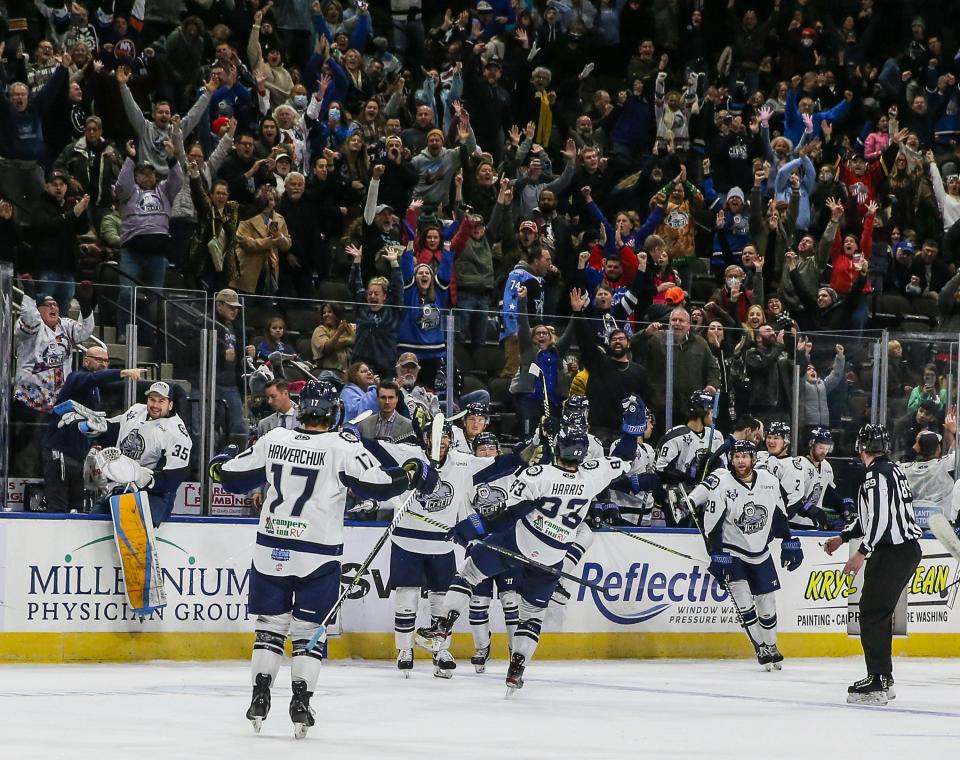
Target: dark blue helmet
781, 429
575, 420
572, 445
823, 435
746, 446
576, 406
319, 398
485, 439
478, 409
701, 402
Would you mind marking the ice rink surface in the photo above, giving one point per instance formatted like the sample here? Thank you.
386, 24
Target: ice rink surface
590, 710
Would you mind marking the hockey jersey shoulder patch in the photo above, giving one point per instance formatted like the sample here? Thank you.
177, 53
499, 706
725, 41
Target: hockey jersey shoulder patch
534, 471
590, 465
349, 437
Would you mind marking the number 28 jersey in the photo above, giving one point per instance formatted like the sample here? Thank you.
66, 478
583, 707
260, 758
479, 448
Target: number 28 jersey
561, 499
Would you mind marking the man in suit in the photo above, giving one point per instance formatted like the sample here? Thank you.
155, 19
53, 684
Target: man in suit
388, 424
284, 410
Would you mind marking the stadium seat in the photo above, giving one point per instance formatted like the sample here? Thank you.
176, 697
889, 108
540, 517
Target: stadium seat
488, 360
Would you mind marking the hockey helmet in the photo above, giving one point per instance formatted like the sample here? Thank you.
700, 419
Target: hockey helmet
821, 435
572, 445
319, 398
701, 402
873, 439
485, 439
576, 405
745, 446
781, 429
478, 409
575, 421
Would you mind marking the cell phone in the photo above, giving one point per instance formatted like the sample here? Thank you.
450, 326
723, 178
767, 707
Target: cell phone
857, 258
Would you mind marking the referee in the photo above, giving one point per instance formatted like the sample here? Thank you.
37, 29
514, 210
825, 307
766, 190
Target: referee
888, 533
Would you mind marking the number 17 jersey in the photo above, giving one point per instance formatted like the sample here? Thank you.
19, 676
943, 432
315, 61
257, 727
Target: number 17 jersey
561, 499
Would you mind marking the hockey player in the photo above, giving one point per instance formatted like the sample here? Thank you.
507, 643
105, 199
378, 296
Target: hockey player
549, 503
778, 449
635, 498
817, 476
154, 436
743, 507
930, 475
295, 575
475, 419
421, 558
576, 413
490, 501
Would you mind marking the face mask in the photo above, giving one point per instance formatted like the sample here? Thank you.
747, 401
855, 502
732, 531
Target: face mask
732, 282
300, 101
334, 114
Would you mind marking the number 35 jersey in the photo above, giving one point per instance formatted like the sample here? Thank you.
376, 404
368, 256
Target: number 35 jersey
560, 501
161, 444
301, 521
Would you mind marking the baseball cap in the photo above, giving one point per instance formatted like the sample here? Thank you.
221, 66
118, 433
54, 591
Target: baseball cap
219, 123
229, 297
494, 60
283, 156
160, 388
529, 225
484, 7
904, 245
675, 296
408, 358
383, 207
57, 174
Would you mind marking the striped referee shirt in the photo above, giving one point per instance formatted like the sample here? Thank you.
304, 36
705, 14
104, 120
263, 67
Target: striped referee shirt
885, 508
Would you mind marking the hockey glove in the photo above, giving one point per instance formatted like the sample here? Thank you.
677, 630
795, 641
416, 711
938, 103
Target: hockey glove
816, 514
791, 554
604, 513
422, 476
549, 428
216, 464
469, 529
634, 416
721, 564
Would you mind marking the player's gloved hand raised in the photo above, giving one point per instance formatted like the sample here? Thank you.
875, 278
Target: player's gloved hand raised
720, 566
468, 529
634, 415
422, 476
216, 463
791, 554
604, 513
549, 428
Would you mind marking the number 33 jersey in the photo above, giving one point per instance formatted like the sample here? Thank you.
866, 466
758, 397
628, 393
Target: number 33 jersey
560, 501
301, 521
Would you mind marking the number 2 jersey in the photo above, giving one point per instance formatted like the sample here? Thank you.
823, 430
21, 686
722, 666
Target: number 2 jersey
558, 502
739, 517
307, 475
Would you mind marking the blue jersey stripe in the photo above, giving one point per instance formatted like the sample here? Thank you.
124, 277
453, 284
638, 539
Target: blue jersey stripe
274, 542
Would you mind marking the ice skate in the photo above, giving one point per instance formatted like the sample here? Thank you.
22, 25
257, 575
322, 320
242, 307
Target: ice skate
444, 664
868, 691
765, 656
887, 682
776, 659
433, 638
300, 711
479, 659
405, 662
260, 703
515, 674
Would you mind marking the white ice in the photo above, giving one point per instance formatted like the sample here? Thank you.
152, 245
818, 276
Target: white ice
591, 710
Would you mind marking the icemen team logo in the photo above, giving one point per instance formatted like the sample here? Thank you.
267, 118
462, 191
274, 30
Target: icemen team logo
752, 519
54, 354
489, 499
439, 500
429, 318
133, 445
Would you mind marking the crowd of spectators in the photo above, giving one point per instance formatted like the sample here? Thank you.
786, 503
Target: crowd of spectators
605, 189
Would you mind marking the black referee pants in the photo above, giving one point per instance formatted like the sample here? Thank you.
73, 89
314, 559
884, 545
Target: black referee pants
888, 570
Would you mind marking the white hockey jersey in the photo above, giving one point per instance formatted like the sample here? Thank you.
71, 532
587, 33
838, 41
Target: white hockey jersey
746, 511
681, 447
795, 479
931, 481
562, 499
301, 523
161, 444
815, 480
636, 508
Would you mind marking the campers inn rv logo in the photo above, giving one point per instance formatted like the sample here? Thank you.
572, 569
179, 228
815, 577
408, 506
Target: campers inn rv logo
88, 586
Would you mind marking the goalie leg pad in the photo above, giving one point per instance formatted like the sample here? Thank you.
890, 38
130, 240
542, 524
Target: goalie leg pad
405, 602
133, 534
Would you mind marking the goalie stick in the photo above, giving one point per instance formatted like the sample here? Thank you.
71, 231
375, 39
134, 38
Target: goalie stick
514, 555
436, 433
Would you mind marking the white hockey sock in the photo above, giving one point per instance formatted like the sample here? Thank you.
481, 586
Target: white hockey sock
744, 599
767, 617
510, 602
306, 662
575, 551
527, 637
405, 602
271, 633
480, 620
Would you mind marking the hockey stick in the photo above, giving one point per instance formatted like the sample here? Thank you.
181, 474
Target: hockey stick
635, 537
724, 583
513, 555
537, 372
941, 528
320, 635
360, 417
713, 428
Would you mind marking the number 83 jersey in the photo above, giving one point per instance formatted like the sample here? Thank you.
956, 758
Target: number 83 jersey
560, 500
